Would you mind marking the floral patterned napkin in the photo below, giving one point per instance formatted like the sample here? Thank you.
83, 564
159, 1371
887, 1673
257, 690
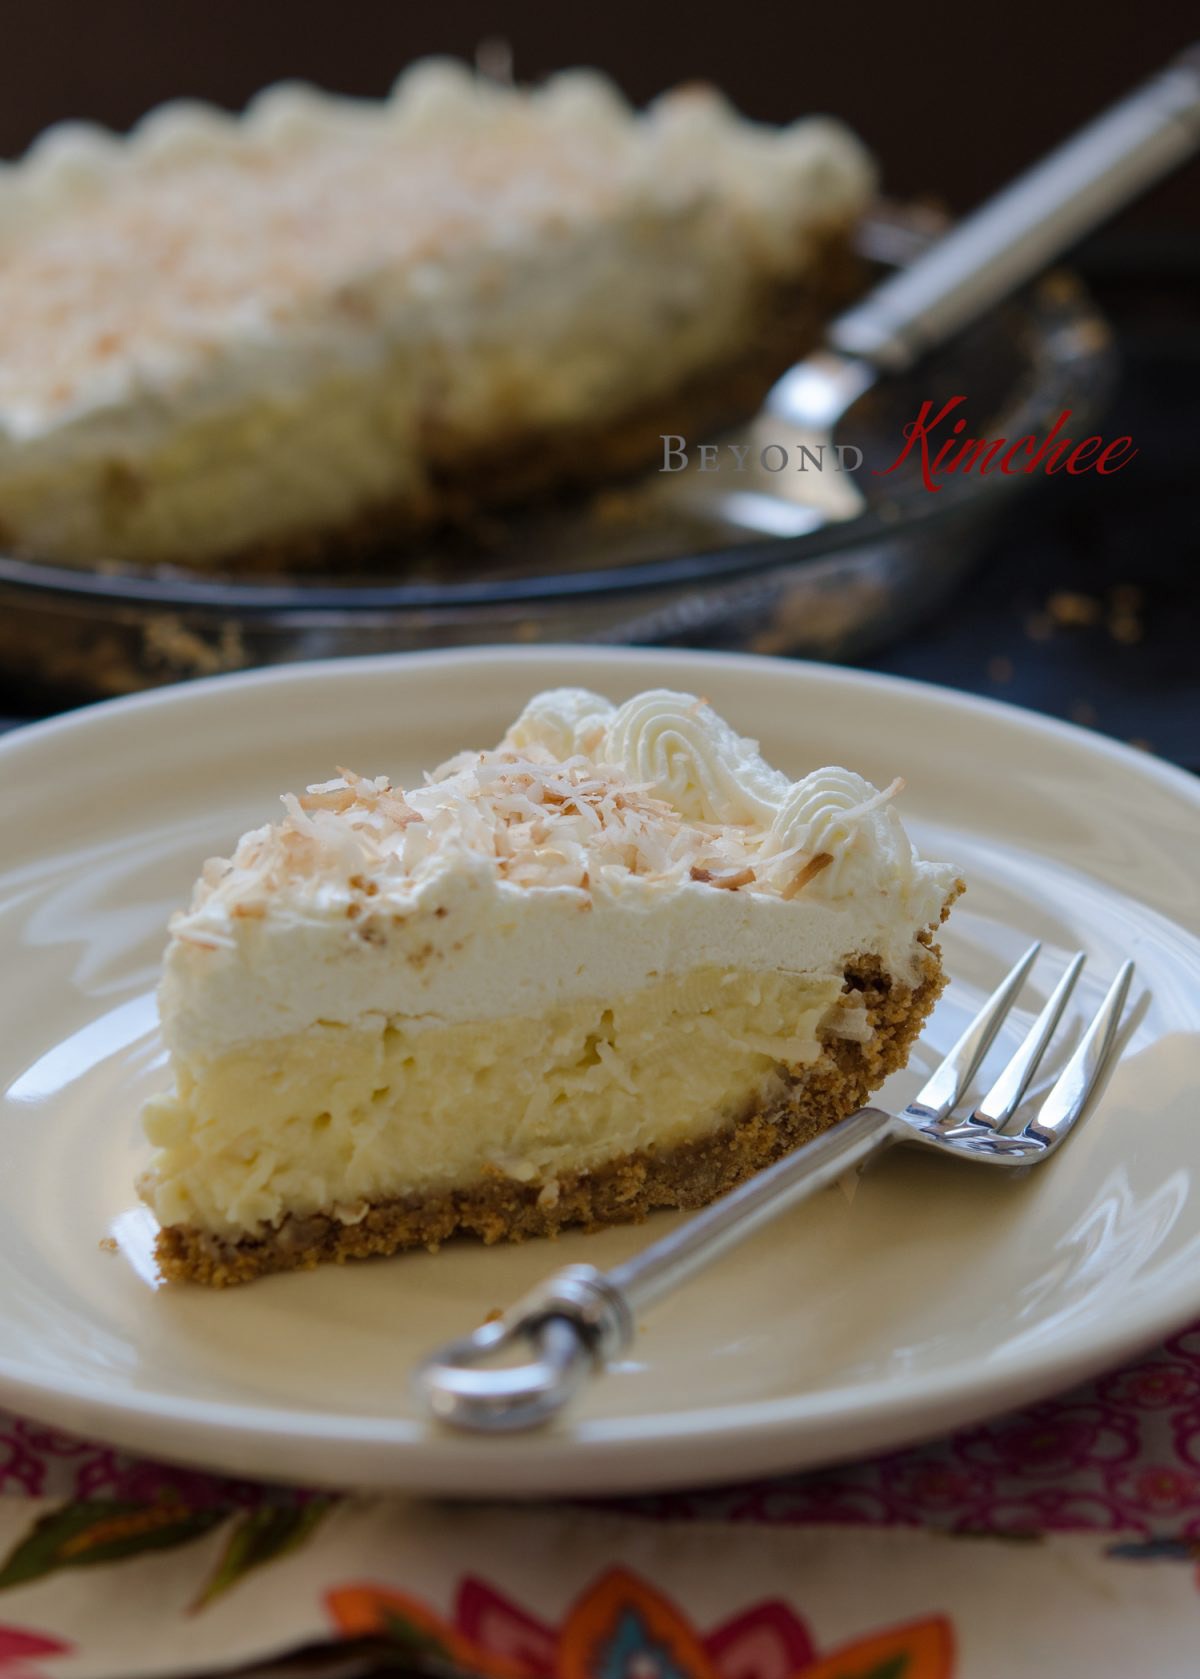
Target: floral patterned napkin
1064, 1539
559, 1593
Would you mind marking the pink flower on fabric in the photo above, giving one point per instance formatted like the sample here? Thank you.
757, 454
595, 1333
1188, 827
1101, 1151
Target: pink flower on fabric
1186, 1344
108, 1474
1053, 1440
1052, 1511
21, 1468
1153, 1387
1186, 1428
1160, 1489
933, 1485
49, 1440
829, 1499
19, 1647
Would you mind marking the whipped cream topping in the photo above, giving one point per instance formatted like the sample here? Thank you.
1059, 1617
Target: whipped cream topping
129, 266
676, 747
692, 759
594, 848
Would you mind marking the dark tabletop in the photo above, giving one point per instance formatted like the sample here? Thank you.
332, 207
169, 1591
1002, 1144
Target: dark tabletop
1086, 603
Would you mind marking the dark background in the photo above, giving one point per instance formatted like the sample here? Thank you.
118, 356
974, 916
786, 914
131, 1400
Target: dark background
953, 96
1086, 604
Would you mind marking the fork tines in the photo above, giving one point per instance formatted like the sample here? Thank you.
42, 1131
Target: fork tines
933, 1108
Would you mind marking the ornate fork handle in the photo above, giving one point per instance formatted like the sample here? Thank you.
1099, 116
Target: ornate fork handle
580, 1318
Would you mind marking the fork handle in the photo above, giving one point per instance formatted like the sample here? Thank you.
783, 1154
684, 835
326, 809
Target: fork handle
667, 1263
580, 1318
1016, 234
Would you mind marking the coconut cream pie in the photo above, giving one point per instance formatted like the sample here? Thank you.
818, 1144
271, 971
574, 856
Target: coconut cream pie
617, 963
259, 339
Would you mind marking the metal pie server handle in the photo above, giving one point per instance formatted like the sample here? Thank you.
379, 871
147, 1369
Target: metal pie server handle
1030, 223
580, 1318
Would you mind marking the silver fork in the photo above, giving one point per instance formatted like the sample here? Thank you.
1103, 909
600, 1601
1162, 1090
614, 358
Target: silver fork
579, 1319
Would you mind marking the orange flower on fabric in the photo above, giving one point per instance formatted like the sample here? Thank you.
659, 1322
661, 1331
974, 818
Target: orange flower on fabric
921, 1650
623, 1627
370, 1611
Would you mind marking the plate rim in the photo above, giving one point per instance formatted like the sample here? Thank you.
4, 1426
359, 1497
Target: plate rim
548, 652
778, 1419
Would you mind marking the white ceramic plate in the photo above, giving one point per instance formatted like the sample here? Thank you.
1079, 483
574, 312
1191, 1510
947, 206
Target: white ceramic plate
933, 1295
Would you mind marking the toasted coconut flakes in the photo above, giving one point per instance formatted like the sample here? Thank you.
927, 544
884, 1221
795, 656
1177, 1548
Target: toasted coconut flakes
809, 872
728, 882
397, 809
534, 821
338, 798
875, 802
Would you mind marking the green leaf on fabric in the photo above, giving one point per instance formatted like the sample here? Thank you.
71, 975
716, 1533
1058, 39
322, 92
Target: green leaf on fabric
260, 1537
101, 1531
419, 1644
895, 1667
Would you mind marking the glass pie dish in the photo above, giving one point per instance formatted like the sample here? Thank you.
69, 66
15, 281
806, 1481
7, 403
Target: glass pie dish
623, 565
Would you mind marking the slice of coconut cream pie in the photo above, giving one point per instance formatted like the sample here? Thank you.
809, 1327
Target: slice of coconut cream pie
617, 963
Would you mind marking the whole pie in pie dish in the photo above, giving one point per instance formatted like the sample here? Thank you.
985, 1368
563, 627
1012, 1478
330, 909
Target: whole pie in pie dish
615, 964
279, 338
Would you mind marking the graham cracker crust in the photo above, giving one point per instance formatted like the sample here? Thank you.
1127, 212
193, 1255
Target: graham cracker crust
469, 483
625, 1190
